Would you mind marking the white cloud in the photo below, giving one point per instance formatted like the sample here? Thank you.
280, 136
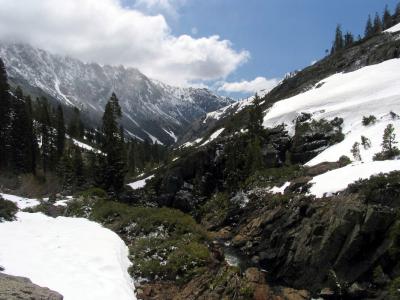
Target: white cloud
165, 6
106, 32
244, 86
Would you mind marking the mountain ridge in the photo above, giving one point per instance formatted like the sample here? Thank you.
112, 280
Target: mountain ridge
151, 109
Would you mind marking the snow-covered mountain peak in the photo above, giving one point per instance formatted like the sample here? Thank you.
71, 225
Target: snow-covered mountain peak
151, 108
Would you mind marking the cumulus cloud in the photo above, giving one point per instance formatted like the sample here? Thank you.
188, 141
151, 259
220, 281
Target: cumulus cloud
253, 86
106, 32
166, 6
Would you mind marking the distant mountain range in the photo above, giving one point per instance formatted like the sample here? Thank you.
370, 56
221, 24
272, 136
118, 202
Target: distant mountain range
151, 110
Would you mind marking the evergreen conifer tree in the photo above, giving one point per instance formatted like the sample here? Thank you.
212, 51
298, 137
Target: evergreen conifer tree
255, 117
338, 44
21, 135
348, 39
389, 141
387, 19
114, 164
60, 127
377, 24
5, 111
369, 28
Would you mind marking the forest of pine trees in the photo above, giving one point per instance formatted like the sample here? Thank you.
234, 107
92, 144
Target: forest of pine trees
373, 27
36, 138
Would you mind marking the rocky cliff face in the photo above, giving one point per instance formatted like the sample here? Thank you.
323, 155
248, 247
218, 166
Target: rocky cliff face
151, 110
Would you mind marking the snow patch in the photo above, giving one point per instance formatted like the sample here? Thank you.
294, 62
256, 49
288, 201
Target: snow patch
140, 183
78, 258
337, 180
21, 202
279, 190
213, 136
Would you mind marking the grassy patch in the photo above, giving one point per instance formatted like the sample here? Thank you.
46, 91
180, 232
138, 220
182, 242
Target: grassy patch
274, 176
164, 243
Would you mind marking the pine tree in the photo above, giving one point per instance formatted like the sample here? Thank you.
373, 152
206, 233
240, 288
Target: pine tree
46, 134
338, 44
60, 127
21, 135
355, 150
369, 28
31, 135
365, 142
396, 15
389, 141
387, 19
113, 147
377, 24
5, 111
77, 166
348, 39
255, 117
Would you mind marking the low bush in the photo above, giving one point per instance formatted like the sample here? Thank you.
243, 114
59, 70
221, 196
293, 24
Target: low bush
8, 210
370, 120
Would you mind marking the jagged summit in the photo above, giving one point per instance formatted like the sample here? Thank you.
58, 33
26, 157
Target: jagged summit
151, 109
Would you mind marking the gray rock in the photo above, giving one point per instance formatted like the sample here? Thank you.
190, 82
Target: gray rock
13, 287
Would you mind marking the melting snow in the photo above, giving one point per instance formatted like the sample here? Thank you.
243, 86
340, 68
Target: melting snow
338, 180
213, 136
140, 183
21, 202
279, 190
371, 90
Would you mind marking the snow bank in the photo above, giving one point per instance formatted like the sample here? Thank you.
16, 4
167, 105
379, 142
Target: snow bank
371, 90
75, 257
140, 183
21, 202
395, 28
279, 190
85, 146
338, 180
213, 136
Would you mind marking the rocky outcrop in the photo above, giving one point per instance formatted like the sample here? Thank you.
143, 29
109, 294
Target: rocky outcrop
312, 137
312, 243
13, 287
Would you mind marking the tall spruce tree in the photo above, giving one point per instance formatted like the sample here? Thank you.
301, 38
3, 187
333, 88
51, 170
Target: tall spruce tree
387, 19
60, 127
46, 135
348, 39
31, 135
21, 135
255, 117
113, 147
396, 15
377, 24
5, 111
338, 44
369, 28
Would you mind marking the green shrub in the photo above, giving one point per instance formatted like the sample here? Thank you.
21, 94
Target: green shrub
394, 288
94, 192
381, 189
273, 176
8, 210
344, 161
370, 120
164, 243
214, 212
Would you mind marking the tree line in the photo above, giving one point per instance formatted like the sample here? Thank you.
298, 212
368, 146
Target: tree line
373, 27
36, 138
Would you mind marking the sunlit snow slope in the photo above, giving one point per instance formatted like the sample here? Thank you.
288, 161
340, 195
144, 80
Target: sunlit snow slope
372, 90
78, 258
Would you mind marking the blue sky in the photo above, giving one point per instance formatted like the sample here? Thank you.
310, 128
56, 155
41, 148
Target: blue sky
234, 47
281, 35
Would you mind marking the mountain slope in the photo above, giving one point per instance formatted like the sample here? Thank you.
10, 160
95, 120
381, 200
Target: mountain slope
151, 110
